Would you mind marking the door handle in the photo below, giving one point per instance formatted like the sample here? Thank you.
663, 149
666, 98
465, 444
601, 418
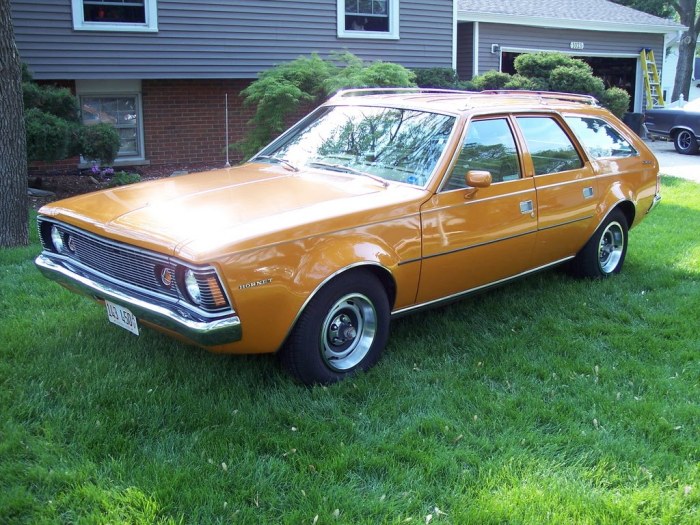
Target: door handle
526, 207
588, 192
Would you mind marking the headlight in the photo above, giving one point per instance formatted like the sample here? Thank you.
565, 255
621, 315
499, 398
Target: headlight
57, 239
192, 287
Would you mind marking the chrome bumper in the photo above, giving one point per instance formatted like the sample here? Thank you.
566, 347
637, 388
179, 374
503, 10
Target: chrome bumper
655, 202
203, 332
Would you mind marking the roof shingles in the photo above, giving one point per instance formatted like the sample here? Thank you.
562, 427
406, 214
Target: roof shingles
571, 10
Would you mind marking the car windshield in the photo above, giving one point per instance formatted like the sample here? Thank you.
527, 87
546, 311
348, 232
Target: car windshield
386, 144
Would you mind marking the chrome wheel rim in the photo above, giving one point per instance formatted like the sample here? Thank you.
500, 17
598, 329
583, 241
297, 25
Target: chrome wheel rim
684, 140
348, 331
612, 243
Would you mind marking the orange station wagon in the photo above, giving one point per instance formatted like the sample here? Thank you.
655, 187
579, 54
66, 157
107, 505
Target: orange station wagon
377, 204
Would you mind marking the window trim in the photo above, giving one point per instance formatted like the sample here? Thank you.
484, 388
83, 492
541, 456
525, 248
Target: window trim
392, 34
149, 26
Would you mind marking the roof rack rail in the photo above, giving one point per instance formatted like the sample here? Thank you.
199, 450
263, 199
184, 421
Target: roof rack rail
359, 92
555, 95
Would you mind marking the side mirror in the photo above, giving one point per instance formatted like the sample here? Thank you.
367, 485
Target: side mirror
478, 179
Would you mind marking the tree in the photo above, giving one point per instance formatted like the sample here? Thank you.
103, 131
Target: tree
13, 161
687, 12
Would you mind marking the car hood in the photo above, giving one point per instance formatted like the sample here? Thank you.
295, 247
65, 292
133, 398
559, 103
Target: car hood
197, 215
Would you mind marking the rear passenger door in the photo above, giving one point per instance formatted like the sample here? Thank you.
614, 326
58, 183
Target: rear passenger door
567, 191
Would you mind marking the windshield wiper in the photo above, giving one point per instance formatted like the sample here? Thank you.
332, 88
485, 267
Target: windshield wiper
278, 160
348, 169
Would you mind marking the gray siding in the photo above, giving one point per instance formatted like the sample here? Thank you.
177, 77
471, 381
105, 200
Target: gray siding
219, 39
533, 38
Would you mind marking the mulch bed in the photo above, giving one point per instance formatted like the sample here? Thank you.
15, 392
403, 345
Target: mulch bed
67, 184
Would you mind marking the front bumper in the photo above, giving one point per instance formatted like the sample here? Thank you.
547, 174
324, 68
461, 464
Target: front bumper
204, 332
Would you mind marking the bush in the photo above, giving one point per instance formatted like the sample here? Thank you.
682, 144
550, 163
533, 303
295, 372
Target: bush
491, 80
573, 79
49, 137
99, 142
542, 64
122, 178
521, 82
467, 85
353, 73
49, 99
54, 131
617, 100
437, 77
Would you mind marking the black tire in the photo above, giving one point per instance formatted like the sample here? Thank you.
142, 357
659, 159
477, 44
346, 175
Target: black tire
685, 142
604, 253
343, 329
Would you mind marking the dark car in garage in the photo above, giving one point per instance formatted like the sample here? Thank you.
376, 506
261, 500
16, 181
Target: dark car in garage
681, 125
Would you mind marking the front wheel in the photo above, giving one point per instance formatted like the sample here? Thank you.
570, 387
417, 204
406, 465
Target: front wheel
685, 143
605, 251
343, 329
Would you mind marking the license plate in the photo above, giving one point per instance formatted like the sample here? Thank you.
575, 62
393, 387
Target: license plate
122, 317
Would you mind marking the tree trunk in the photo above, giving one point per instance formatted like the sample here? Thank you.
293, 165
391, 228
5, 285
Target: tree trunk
686, 49
13, 155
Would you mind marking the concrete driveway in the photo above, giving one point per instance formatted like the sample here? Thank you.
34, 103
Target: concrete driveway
675, 164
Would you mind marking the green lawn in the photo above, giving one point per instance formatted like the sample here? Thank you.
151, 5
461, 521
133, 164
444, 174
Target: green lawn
547, 401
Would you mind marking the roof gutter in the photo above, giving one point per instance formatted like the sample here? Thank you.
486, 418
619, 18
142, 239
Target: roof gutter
587, 25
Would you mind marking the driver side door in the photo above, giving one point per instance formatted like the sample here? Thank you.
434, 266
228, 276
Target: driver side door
474, 237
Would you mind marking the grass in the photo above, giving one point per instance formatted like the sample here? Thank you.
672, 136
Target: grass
547, 401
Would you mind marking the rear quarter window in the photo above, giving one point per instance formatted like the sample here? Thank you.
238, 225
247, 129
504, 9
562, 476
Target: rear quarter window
599, 138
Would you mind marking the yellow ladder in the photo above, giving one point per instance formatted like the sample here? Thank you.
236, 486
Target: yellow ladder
652, 84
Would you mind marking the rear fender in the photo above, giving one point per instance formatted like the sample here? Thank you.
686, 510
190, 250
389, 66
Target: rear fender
620, 195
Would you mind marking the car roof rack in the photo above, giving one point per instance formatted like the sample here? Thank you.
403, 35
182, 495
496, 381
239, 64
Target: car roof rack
359, 92
542, 95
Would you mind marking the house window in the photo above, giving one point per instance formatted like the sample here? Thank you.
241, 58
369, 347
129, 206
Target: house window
122, 112
368, 19
115, 15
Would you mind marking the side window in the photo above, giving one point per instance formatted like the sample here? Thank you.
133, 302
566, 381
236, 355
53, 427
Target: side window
488, 146
599, 138
550, 148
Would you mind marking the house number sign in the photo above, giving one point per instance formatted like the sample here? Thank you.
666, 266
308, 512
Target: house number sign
576, 45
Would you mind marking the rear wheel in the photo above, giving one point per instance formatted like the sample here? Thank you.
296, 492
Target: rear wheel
343, 329
605, 251
685, 142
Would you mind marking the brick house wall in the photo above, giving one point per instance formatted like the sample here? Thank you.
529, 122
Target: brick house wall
184, 123
184, 120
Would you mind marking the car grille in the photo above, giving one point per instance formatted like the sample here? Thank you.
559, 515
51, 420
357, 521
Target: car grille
120, 264
130, 267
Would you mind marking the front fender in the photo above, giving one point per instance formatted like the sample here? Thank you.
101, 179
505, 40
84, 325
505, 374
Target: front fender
271, 286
